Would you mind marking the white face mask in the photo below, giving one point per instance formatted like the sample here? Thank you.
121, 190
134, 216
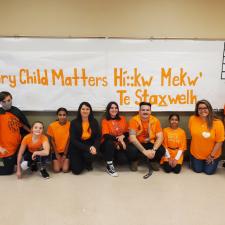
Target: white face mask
6, 105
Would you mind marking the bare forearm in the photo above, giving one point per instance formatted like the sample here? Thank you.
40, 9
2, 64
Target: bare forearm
216, 147
19, 159
67, 147
20, 154
42, 153
158, 141
137, 144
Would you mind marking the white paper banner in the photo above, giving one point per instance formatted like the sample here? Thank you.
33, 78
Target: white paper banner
45, 74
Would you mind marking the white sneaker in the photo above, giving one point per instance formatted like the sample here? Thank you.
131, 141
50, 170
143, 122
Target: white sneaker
111, 170
24, 165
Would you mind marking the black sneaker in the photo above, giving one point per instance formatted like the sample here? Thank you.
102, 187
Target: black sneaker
111, 170
44, 174
89, 166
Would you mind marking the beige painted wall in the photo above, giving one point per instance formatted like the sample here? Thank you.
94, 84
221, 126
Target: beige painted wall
204, 19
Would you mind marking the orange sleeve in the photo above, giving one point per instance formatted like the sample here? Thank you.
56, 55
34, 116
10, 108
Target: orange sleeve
183, 143
25, 140
133, 125
105, 128
165, 138
50, 131
190, 123
44, 139
219, 130
125, 123
158, 127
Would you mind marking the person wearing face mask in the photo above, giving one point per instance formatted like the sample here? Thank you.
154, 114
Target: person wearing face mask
13, 124
175, 143
207, 136
146, 136
59, 135
84, 139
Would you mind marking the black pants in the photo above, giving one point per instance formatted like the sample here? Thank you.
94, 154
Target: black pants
110, 153
167, 168
80, 158
39, 159
158, 155
7, 165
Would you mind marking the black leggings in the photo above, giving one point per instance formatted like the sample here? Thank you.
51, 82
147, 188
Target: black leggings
110, 153
42, 160
80, 159
7, 165
167, 168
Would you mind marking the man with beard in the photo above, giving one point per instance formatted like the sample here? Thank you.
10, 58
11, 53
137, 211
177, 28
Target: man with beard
13, 124
146, 136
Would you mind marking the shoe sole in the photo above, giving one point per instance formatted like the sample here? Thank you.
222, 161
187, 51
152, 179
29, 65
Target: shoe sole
112, 175
44, 177
147, 175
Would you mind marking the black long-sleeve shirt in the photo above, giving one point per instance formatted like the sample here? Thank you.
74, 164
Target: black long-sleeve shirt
75, 136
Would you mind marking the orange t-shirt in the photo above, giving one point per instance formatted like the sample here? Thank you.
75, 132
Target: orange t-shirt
34, 146
60, 134
10, 137
203, 140
174, 140
114, 127
86, 134
145, 130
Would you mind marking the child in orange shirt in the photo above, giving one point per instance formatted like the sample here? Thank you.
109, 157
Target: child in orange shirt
38, 148
59, 134
175, 144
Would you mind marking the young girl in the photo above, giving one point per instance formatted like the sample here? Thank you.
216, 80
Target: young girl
175, 144
37, 149
59, 133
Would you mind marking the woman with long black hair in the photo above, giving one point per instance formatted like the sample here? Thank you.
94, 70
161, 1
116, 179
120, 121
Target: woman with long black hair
84, 139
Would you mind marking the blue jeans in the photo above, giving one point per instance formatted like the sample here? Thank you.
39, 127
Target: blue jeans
201, 166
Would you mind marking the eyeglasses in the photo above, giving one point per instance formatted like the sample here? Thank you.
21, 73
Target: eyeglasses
202, 108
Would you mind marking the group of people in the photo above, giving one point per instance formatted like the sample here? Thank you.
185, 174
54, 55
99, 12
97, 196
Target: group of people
73, 145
